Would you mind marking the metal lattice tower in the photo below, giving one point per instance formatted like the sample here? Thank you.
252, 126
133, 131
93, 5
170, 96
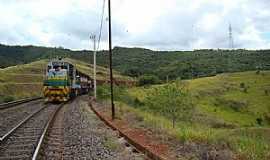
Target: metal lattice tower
231, 45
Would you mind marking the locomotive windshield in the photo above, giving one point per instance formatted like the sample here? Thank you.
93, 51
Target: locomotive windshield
56, 78
57, 73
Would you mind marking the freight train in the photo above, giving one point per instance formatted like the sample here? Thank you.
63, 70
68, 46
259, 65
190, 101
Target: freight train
63, 82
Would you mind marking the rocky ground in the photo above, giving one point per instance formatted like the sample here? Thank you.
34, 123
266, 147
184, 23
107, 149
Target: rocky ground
21, 143
12, 116
86, 137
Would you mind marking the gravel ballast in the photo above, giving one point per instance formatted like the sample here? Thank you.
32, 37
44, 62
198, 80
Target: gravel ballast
87, 137
10, 117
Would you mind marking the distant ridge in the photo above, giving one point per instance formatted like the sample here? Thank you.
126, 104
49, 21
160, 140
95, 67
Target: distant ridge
138, 61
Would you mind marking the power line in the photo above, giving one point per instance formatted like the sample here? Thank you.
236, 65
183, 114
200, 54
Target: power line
101, 24
93, 37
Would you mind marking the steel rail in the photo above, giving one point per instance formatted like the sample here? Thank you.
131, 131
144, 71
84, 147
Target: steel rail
22, 122
15, 103
45, 131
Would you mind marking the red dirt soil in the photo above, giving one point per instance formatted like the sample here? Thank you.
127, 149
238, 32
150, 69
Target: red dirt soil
140, 138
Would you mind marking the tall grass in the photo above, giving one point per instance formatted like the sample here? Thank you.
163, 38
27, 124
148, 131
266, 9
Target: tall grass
236, 127
247, 143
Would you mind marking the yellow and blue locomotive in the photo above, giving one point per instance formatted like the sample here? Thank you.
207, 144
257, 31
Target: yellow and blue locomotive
63, 81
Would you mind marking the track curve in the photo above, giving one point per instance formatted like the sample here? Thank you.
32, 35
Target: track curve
21, 142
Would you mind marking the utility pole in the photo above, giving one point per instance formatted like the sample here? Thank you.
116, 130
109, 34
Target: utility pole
93, 37
110, 57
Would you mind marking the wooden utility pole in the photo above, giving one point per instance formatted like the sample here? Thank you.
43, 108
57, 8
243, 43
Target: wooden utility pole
110, 56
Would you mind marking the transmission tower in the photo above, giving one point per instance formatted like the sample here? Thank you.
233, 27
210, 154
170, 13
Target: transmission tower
231, 45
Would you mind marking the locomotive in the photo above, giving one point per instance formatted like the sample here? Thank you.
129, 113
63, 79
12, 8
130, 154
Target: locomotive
63, 81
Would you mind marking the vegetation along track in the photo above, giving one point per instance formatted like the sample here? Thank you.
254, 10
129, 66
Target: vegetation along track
23, 139
16, 103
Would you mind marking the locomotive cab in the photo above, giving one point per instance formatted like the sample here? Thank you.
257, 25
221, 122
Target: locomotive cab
56, 83
63, 81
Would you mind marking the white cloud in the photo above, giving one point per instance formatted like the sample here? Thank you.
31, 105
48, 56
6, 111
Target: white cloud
209, 21
157, 24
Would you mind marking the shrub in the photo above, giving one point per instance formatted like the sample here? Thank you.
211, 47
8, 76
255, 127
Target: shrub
242, 85
266, 92
259, 121
8, 99
148, 79
171, 100
137, 102
233, 104
133, 72
267, 117
103, 91
121, 94
245, 90
237, 105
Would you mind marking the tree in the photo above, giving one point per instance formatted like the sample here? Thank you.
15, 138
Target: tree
148, 79
172, 100
133, 72
103, 92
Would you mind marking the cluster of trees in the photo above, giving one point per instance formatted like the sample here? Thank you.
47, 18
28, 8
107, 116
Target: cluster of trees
137, 62
148, 80
13, 55
188, 64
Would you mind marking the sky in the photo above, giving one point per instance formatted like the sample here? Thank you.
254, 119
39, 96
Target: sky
153, 24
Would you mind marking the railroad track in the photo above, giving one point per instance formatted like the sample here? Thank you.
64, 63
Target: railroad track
10, 117
18, 102
24, 141
51, 143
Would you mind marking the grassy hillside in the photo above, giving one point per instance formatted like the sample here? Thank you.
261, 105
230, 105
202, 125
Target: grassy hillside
231, 111
102, 72
25, 80
238, 98
22, 80
139, 61
223, 98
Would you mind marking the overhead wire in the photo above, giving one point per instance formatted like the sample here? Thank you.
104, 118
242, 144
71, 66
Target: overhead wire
101, 24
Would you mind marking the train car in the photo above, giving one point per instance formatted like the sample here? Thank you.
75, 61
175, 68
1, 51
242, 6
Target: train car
63, 81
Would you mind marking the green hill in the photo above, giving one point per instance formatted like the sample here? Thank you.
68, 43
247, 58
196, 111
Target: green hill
22, 81
238, 98
138, 61
188, 64
232, 110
